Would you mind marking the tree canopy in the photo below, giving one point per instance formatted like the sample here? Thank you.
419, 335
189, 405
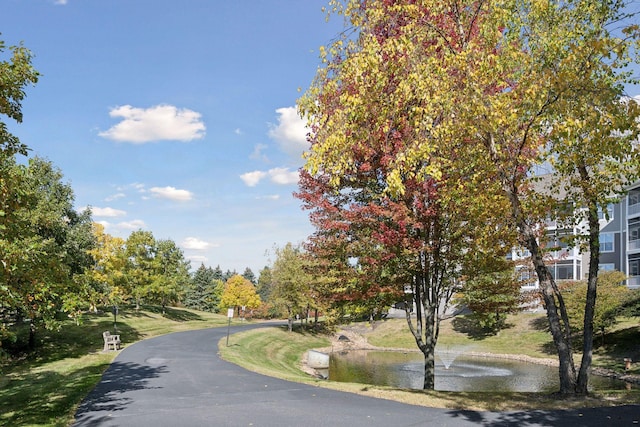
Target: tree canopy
449, 110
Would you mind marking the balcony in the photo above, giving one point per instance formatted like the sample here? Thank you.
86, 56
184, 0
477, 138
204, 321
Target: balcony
634, 245
633, 209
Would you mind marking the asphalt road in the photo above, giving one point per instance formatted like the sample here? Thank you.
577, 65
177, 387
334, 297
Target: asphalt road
179, 380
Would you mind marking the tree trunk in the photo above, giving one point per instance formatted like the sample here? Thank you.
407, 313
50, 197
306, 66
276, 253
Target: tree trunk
429, 349
32, 335
592, 282
556, 312
426, 318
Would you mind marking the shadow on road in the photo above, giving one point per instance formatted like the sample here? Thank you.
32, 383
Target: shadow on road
110, 394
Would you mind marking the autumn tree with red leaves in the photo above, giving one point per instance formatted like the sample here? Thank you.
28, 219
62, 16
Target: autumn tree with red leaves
470, 98
388, 234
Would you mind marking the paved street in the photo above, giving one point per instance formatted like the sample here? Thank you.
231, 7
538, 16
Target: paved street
179, 380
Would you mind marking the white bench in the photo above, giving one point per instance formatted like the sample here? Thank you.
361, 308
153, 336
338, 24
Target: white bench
110, 341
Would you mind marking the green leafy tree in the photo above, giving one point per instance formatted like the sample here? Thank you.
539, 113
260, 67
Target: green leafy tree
15, 74
44, 243
492, 292
290, 282
170, 275
612, 295
140, 267
107, 276
239, 292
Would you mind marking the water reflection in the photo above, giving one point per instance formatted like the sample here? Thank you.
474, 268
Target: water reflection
406, 370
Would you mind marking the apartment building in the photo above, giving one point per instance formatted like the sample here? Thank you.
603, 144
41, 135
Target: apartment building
620, 237
619, 245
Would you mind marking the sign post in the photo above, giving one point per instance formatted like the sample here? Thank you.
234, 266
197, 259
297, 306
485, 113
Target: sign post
230, 316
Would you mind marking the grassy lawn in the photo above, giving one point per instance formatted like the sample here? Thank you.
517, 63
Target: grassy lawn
525, 335
45, 388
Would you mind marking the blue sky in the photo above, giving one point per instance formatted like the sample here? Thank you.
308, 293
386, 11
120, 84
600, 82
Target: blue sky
176, 117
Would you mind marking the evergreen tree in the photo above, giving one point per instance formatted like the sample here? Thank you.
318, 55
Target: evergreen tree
228, 275
217, 273
201, 294
248, 274
264, 284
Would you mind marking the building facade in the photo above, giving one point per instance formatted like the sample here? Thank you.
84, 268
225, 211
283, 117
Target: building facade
619, 246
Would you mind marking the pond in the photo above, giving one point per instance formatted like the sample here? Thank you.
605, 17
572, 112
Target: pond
464, 373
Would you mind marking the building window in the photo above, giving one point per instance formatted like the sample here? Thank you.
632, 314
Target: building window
606, 242
634, 267
562, 272
565, 272
607, 267
606, 213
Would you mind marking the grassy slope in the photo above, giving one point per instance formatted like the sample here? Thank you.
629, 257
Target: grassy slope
45, 388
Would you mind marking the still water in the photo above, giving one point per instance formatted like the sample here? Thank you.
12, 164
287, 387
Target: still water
465, 373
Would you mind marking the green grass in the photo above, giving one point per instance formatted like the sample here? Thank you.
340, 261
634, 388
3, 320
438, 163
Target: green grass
44, 388
525, 333
272, 351
278, 353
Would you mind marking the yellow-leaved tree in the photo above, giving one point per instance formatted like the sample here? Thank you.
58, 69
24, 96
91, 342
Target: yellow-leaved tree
239, 292
477, 96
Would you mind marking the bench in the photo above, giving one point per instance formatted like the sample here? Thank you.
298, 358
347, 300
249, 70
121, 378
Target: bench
111, 341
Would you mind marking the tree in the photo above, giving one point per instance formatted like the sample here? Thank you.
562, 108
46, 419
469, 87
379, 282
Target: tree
228, 274
492, 293
139, 270
201, 293
217, 273
396, 213
248, 274
612, 294
170, 274
502, 88
264, 284
239, 292
44, 243
15, 75
107, 275
290, 282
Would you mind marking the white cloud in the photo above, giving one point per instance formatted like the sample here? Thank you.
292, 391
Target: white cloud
258, 153
114, 197
251, 179
161, 122
269, 197
284, 176
290, 133
171, 193
196, 244
136, 224
60, 2
280, 176
107, 212
123, 228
